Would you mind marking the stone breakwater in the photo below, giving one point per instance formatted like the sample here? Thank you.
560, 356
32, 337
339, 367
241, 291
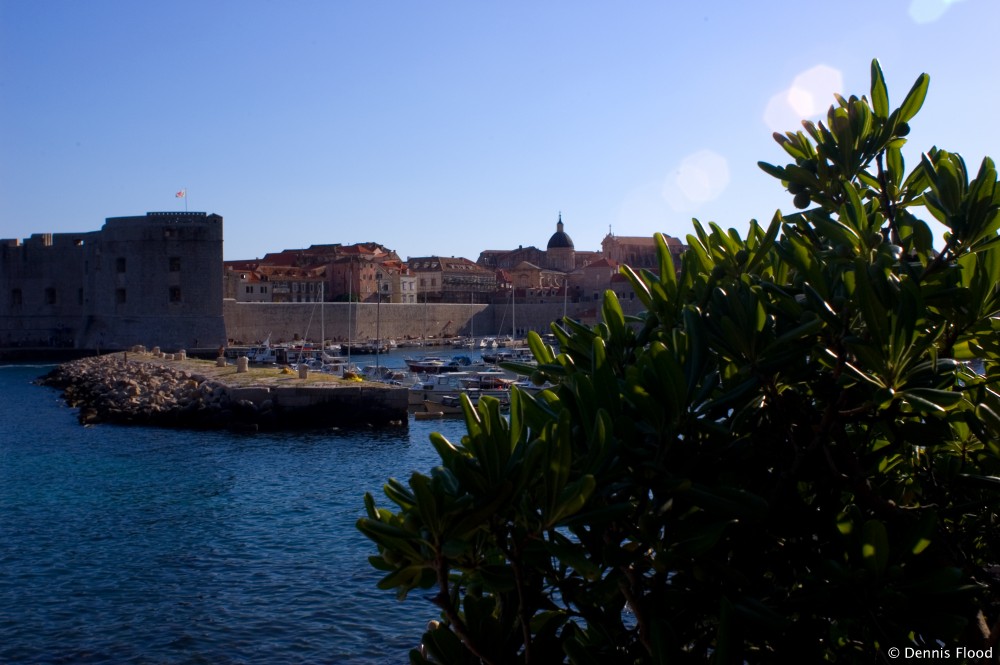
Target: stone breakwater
117, 389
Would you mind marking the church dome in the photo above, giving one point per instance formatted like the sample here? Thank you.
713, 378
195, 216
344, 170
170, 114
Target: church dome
560, 239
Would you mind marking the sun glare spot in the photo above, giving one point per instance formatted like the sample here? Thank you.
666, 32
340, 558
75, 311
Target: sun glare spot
699, 178
927, 11
810, 95
802, 102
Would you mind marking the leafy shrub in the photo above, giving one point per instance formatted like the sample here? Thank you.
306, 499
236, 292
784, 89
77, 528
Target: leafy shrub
792, 453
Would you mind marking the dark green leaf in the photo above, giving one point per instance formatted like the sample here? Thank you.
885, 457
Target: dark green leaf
880, 95
914, 98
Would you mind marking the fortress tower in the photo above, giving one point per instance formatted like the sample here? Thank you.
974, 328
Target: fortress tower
154, 279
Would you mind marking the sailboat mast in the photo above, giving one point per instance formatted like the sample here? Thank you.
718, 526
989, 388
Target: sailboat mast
350, 297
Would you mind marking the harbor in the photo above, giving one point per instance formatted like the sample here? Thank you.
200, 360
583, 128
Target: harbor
145, 544
283, 388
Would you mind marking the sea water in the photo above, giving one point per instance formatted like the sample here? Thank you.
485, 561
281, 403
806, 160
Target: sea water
139, 545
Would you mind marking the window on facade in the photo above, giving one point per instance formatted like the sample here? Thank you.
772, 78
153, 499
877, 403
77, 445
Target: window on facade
15, 297
263, 289
175, 264
434, 281
249, 289
50, 296
423, 282
175, 294
120, 264
120, 296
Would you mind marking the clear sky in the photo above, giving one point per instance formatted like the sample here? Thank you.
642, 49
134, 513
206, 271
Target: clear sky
449, 127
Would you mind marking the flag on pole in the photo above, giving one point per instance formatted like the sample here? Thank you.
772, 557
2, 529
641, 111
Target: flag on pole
181, 194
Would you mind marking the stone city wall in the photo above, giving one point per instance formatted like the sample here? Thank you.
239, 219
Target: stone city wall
247, 323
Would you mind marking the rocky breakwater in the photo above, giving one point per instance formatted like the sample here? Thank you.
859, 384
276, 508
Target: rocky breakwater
127, 388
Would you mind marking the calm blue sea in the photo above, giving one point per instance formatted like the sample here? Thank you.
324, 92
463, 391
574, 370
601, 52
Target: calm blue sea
135, 545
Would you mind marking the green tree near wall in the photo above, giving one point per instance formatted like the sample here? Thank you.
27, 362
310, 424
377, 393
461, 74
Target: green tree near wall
789, 457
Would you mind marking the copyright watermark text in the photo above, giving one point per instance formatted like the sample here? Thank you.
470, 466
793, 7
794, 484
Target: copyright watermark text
941, 653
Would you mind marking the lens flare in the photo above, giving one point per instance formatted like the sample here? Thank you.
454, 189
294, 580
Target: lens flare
809, 96
699, 178
928, 11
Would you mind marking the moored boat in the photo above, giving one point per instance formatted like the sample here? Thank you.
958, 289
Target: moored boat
446, 404
391, 375
364, 348
492, 383
437, 364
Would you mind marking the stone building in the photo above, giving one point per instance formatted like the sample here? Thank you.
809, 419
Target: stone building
359, 272
640, 251
152, 279
289, 284
533, 284
505, 259
559, 254
242, 283
451, 280
540, 275
591, 281
363, 279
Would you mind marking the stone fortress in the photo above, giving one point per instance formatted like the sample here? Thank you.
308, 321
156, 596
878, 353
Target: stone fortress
149, 279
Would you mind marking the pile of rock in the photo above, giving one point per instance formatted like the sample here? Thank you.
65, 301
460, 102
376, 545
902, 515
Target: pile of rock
111, 389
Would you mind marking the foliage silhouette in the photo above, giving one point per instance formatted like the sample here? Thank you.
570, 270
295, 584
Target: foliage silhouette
792, 453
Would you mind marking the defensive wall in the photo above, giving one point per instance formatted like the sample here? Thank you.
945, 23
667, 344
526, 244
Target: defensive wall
253, 322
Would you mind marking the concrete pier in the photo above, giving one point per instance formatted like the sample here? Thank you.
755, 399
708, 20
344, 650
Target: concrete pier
141, 388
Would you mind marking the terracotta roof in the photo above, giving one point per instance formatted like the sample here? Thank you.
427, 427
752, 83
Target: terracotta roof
602, 263
241, 265
644, 241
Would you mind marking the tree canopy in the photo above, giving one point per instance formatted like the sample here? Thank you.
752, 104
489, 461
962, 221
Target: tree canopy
792, 452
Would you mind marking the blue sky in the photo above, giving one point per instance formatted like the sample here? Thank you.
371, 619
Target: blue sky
452, 127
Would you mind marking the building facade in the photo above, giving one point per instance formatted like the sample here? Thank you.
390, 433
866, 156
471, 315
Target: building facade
451, 280
639, 251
